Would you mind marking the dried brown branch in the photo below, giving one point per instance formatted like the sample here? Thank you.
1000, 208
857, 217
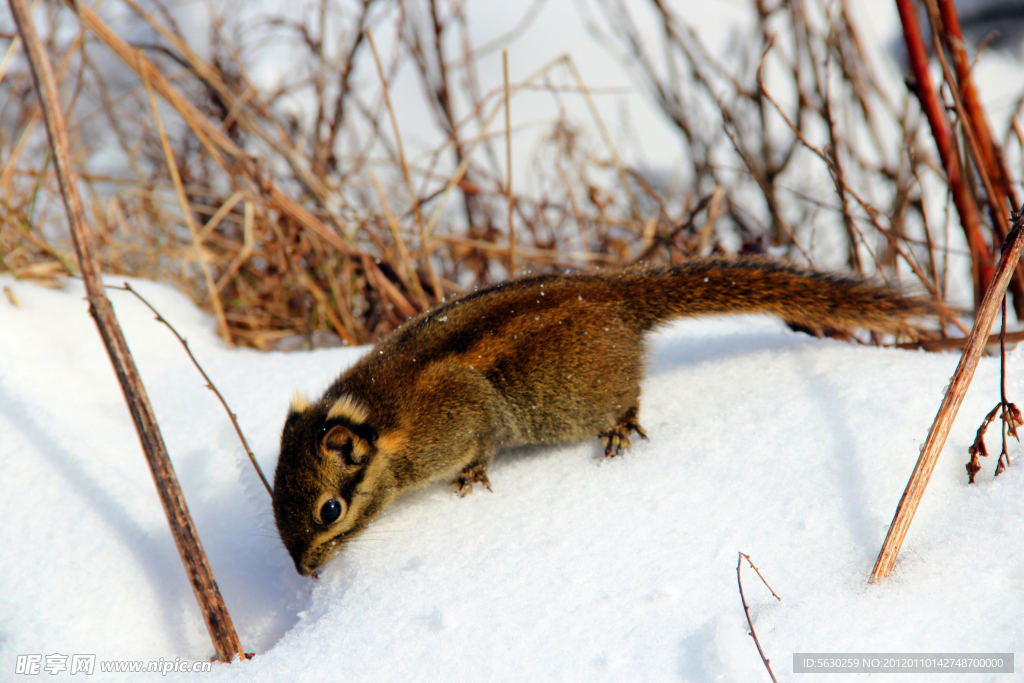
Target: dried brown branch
435, 283
981, 264
950, 343
326, 148
990, 152
978, 447
508, 172
872, 214
958, 386
302, 243
985, 150
413, 283
211, 604
186, 211
209, 133
1010, 415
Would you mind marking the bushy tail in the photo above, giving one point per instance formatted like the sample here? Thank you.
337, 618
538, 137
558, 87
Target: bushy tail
813, 299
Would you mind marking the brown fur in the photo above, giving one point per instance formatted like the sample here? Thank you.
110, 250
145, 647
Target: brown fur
538, 360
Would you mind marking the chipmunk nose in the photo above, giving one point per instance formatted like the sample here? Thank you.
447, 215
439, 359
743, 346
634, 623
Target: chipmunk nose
304, 570
312, 572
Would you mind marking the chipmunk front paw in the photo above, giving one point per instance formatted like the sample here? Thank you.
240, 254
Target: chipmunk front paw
616, 439
474, 474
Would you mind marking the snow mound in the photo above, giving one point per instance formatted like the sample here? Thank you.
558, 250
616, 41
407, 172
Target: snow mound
576, 568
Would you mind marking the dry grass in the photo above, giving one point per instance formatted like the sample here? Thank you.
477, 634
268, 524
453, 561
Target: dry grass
324, 226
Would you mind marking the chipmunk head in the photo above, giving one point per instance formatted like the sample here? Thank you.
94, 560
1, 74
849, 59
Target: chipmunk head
327, 485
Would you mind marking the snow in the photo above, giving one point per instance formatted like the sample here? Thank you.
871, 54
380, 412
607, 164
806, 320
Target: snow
788, 448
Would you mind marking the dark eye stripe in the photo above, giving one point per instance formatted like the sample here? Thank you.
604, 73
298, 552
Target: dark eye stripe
348, 489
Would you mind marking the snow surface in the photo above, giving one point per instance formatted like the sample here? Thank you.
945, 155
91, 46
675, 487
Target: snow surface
576, 568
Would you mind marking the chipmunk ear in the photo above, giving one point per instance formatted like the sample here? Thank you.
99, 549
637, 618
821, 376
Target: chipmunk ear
338, 444
344, 446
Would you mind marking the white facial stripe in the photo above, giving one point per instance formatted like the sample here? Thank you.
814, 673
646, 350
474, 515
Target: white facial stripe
349, 408
300, 402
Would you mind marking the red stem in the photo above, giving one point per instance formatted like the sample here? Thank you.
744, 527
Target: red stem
982, 264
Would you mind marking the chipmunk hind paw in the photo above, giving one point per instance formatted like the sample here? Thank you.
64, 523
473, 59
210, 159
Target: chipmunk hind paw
616, 439
476, 473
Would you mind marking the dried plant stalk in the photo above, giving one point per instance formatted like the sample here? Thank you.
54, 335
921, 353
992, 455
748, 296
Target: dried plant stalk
958, 386
435, 283
186, 211
211, 604
301, 239
1009, 416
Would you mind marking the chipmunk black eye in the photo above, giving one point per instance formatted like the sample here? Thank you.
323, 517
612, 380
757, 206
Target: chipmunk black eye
330, 511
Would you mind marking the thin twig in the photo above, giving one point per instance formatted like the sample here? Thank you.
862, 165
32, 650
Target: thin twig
714, 210
950, 343
248, 245
871, 212
603, 130
209, 382
209, 133
482, 137
746, 610
172, 169
1003, 403
435, 283
508, 172
212, 78
221, 214
411, 281
978, 447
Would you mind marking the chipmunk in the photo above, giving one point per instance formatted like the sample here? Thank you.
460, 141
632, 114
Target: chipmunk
543, 359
